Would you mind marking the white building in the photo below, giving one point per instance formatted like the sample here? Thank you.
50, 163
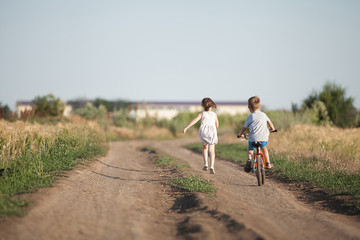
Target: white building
168, 110
156, 109
27, 106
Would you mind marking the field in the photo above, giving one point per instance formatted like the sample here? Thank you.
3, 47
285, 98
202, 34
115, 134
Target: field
153, 186
33, 155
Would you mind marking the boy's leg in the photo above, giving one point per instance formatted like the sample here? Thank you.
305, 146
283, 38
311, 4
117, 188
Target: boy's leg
266, 156
205, 154
247, 167
250, 154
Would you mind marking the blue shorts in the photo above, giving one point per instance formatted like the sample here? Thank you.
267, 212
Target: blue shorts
252, 147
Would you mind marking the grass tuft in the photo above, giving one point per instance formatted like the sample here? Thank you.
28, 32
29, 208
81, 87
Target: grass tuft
193, 184
162, 161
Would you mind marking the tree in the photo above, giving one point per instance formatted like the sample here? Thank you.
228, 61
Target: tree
5, 112
112, 106
340, 109
91, 112
48, 105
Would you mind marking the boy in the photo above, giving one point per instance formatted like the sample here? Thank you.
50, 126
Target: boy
257, 123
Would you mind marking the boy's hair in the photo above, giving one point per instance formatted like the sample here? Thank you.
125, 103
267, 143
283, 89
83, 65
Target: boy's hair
207, 103
254, 103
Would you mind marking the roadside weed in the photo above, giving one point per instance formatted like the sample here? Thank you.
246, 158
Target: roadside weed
193, 184
162, 161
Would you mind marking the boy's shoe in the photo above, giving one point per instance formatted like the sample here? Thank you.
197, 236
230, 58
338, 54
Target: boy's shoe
247, 167
269, 165
212, 171
205, 168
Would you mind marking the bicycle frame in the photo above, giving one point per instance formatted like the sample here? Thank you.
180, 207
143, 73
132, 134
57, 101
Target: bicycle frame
257, 153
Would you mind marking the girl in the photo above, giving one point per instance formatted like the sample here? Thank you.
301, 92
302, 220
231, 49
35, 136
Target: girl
207, 132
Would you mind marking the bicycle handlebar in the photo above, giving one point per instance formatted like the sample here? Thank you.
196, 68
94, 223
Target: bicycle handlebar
246, 134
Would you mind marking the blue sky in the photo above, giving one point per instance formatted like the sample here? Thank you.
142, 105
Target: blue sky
280, 50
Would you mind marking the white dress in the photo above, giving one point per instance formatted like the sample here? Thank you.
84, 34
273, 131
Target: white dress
207, 131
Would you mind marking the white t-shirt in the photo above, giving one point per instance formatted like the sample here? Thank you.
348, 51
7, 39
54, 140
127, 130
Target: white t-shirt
257, 124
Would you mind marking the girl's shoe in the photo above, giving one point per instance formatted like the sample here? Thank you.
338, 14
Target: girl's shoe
212, 171
269, 165
205, 168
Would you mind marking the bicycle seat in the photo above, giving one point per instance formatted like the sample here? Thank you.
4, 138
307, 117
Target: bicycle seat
257, 144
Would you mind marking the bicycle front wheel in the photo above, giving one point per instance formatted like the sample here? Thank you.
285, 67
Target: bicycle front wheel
259, 170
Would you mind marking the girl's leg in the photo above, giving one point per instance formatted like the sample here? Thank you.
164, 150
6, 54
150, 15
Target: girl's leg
212, 156
205, 154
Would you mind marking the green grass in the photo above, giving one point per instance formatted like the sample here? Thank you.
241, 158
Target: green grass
304, 170
162, 161
39, 161
193, 184
165, 160
231, 152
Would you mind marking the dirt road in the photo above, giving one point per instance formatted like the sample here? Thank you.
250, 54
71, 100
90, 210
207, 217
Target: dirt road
122, 196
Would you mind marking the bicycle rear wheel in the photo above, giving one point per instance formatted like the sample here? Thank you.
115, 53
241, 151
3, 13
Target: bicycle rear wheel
259, 170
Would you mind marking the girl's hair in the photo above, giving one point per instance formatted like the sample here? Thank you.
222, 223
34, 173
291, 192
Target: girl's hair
207, 103
254, 103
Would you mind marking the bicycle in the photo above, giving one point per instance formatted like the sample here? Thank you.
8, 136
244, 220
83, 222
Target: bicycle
258, 160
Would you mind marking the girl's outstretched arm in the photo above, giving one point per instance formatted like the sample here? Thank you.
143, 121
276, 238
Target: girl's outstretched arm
195, 120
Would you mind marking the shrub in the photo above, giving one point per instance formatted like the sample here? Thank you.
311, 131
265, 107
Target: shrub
48, 105
340, 109
91, 112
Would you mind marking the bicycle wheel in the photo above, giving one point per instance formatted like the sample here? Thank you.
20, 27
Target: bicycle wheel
258, 170
262, 172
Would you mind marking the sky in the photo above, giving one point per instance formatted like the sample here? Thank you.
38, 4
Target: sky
154, 50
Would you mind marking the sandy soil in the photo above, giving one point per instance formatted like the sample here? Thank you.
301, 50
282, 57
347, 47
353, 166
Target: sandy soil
123, 196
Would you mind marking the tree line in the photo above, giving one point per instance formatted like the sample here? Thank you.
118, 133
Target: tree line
330, 106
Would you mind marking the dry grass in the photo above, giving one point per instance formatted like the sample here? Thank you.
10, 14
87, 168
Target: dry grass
336, 148
16, 136
151, 132
33, 155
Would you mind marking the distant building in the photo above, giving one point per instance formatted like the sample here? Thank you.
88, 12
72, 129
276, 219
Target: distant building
153, 109
168, 110
26, 107
23, 107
